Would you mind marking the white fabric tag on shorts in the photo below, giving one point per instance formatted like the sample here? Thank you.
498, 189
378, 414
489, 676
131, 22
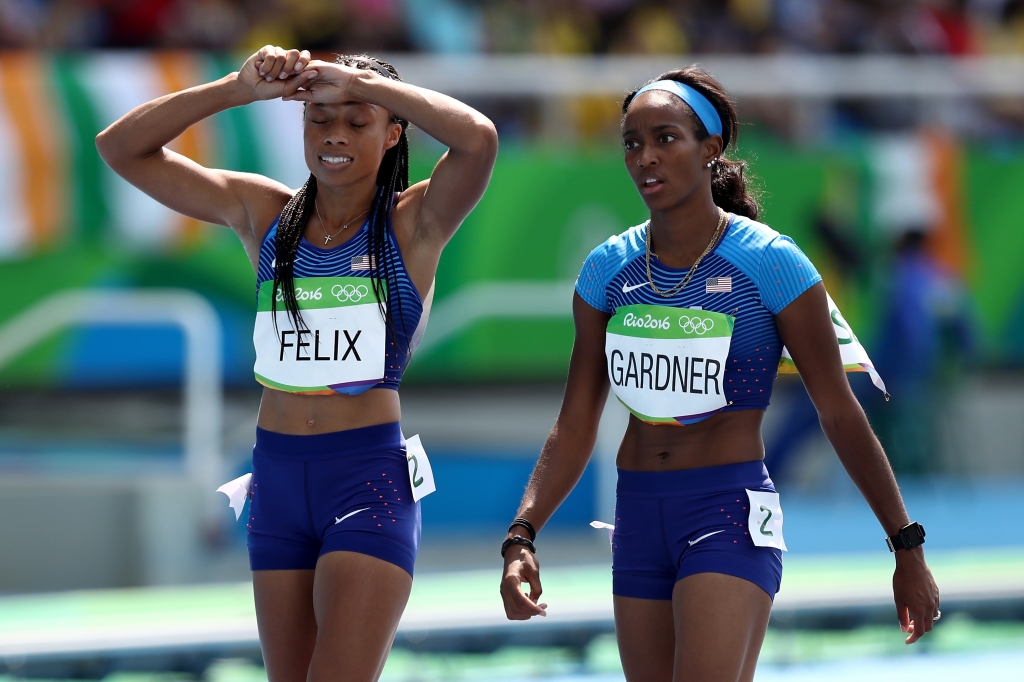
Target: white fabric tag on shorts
421, 477
606, 526
237, 490
765, 519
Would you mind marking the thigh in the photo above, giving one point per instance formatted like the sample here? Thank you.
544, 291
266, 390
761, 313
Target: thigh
358, 601
720, 622
646, 635
287, 624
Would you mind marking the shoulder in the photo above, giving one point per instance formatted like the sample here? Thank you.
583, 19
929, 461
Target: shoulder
266, 198
606, 261
748, 244
618, 250
405, 215
745, 244
411, 198
771, 260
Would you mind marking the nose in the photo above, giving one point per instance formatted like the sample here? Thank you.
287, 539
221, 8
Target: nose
646, 158
336, 135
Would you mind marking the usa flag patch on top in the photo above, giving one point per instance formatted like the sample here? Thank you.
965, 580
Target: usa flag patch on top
363, 262
720, 284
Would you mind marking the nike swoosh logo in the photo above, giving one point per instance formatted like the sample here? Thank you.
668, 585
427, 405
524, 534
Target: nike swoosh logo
706, 535
626, 288
338, 520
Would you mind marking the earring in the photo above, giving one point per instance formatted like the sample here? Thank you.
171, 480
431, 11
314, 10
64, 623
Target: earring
711, 163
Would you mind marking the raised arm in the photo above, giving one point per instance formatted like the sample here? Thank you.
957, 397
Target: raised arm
807, 331
441, 203
563, 458
134, 146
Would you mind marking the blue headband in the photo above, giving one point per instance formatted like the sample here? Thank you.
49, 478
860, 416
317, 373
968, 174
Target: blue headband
699, 103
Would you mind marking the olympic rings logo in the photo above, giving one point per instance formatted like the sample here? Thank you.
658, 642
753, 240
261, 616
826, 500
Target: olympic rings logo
696, 325
349, 292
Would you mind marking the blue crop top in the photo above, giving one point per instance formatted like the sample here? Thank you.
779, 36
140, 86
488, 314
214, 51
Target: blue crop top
752, 274
351, 259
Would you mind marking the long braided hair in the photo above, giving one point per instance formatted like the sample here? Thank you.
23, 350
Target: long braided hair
392, 177
730, 186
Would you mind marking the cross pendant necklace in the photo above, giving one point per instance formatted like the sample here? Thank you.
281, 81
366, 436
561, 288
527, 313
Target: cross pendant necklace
323, 226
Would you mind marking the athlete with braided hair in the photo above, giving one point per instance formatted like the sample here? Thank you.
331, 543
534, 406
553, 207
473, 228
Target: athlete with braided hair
344, 272
685, 317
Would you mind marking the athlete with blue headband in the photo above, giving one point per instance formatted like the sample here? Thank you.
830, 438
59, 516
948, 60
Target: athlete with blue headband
688, 318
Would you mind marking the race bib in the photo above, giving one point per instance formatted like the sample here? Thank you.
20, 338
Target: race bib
764, 522
666, 364
855, 358
341, 350
421, 476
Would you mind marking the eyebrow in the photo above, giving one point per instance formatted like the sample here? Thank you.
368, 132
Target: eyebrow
657, 128
351, 103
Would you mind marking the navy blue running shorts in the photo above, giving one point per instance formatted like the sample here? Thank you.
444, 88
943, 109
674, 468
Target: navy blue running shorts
344, 491
673, 524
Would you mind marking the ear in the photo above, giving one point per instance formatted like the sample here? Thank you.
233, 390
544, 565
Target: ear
394, 135
712, 148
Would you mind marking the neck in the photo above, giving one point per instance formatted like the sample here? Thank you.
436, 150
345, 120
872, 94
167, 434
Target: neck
342, 205
680, 234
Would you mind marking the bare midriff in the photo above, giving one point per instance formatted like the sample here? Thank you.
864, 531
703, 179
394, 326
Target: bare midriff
303, 415
726, 438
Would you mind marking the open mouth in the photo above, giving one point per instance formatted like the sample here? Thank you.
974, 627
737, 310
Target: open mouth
335, 162
649, 185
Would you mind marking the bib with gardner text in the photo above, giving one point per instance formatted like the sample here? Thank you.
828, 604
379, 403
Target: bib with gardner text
341, 348
666, 364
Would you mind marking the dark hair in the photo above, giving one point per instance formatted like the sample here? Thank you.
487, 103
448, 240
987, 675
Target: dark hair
729, 179
392, 177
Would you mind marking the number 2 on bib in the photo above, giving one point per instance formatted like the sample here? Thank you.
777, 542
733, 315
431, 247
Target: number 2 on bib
421, 476
764, 524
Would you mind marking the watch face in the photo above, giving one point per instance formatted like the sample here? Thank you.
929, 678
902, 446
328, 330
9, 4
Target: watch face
912, 535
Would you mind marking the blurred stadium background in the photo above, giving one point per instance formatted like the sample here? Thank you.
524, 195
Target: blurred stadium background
887, 137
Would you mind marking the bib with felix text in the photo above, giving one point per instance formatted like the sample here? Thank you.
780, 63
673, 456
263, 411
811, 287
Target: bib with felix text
341, 348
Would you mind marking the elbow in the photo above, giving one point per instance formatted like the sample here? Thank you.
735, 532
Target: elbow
832, 416
836, 419
115, 148
106, 145
485, 140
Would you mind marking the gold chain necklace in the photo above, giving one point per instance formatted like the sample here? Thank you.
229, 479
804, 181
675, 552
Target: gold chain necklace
329, 237
693, 269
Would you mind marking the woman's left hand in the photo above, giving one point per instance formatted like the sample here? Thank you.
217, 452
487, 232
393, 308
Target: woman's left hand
916, 594
332, 84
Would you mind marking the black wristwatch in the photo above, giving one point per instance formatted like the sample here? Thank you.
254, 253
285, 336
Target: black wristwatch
909, 537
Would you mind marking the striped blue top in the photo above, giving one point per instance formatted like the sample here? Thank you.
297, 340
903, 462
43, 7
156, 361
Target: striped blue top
410, 316
767, 270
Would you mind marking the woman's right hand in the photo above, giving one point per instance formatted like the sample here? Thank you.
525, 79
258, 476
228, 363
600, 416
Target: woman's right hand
274, 72
521, 567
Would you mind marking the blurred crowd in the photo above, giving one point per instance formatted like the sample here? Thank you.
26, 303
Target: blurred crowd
545, 26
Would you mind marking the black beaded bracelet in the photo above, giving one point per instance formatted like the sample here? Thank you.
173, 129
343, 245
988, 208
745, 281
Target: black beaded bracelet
520, 521
516, 540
